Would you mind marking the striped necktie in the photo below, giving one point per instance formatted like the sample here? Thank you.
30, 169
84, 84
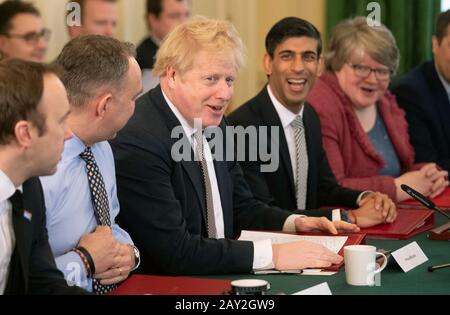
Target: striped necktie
301, 153
200, 154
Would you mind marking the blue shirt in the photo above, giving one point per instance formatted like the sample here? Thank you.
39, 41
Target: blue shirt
70, 212
383, 145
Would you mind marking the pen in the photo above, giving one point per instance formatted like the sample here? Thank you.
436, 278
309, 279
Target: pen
271, 272
433, 268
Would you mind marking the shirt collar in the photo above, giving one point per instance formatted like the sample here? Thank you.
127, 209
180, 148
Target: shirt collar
286, 116
73, 148
188, 129
7, 188
157, 41
444, 82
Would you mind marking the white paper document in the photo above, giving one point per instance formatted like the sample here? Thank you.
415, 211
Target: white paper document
333, 243
321, 289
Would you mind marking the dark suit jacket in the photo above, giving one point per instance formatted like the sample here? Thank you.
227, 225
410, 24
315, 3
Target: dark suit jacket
421, 94
278, 188
146, 52
163, 201
32, 268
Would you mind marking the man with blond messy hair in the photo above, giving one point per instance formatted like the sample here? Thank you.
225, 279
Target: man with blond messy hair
184, 215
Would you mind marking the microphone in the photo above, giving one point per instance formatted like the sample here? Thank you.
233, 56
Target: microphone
422, 199
433, 268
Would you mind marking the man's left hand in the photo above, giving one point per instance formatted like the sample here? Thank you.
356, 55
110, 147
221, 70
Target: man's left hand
122, 270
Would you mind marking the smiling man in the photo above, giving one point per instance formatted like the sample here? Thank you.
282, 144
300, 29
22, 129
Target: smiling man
304, 180
185, 215
22, 34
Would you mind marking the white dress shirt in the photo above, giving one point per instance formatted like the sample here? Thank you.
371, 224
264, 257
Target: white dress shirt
7, 238
286, 118
262, 250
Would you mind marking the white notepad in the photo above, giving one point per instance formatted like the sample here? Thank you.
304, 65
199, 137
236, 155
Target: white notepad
333, 243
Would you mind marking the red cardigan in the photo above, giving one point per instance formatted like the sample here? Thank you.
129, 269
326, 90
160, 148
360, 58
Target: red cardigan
350, 152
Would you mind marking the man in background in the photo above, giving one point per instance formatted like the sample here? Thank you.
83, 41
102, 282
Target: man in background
424, 93
98, 17
162, 17
22, 32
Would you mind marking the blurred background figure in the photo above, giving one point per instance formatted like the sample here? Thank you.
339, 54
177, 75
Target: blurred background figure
424, 94
162, 17
365, 133
98, 17
22, 33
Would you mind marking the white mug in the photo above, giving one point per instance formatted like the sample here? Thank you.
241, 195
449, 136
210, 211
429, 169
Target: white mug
360, 264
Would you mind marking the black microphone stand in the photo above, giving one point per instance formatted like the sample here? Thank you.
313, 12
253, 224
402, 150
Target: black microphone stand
441, 233
438, 233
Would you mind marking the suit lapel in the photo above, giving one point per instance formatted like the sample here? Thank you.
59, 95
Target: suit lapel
191, 167
310, 142
270, 118
442, 104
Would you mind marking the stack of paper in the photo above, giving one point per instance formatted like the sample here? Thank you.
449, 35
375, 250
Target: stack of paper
333, 243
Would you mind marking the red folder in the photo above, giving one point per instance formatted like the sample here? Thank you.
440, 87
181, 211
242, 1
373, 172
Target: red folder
441, 201
353, 239
409, 222
158, 285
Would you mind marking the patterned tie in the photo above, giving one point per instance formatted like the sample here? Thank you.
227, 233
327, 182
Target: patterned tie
101, 205
210, 218
301, 153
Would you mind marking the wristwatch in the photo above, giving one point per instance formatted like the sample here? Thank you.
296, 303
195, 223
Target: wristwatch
344, 216
137, 257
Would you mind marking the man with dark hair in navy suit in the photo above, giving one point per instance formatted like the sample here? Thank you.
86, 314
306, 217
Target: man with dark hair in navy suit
292, 64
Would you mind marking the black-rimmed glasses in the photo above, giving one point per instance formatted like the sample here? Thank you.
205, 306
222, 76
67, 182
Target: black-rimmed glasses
363, 71
32, 37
